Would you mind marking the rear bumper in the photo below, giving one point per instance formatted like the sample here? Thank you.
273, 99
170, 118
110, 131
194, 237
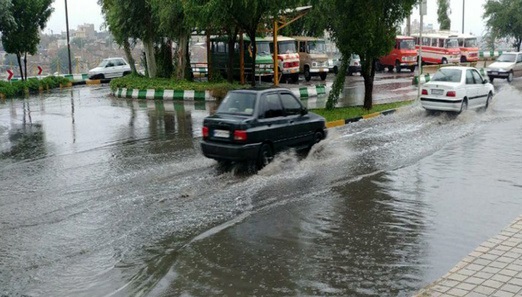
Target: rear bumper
354, 68
230, 152
441, 104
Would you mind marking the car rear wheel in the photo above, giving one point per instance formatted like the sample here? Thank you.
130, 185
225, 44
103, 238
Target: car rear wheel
318, 136
322, 75
510, 76
491, 79
444, 61
265, 156
464, 105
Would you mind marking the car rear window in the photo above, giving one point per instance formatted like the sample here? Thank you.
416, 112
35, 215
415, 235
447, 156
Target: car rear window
450, 75
238, 103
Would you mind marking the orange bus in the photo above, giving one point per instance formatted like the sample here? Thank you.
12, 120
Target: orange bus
438, 48
403, 55
468, 48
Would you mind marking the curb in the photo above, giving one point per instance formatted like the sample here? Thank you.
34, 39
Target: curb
339, 123
163, 94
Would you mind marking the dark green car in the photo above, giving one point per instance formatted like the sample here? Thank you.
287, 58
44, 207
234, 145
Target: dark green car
253, 125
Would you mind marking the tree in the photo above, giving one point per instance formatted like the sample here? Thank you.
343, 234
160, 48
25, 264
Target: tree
6, 15
23, 38
131, 20
368, 30
503, 19
443, 12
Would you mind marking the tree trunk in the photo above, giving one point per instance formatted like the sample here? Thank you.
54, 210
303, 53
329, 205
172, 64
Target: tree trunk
368, 73
19, 58
188, 67
252, 36
25, 65
148, 47
232, 38
181, 56
128, 54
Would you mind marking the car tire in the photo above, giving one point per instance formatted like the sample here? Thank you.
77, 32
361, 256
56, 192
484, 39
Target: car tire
335, 70
510, 76
412, 69
265, 156
463, 106
390, 68
323, 75
398, 67
318, 136
444, 61
126, 73
488, 100
307, 74
491, 79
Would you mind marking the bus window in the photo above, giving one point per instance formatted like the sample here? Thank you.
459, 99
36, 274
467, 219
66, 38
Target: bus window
441, 42
452, 43
221, 47
470, 42
425, 41
461, 42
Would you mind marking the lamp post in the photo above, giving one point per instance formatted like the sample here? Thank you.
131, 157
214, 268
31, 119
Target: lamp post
68, 42
463, 4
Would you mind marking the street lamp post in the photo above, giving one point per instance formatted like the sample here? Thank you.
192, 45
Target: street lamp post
68, 42
463, 4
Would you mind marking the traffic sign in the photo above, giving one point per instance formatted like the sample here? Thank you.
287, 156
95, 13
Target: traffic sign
39, 70
10, 74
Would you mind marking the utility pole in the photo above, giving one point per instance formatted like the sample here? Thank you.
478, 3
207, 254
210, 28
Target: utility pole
463, 4
423, 11
68, 42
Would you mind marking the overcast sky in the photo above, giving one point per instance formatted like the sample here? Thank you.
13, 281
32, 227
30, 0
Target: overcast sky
88, 11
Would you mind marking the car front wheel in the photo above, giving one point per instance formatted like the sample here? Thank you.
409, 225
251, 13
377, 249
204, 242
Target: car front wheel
488, 100
510, 76
307, 75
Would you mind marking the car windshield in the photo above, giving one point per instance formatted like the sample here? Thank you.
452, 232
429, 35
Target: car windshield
238, 103
263, 48
452, 43
317, 47
507, 58
355, 57
103, 63
470, 42
445, 74
407, 44
286, 47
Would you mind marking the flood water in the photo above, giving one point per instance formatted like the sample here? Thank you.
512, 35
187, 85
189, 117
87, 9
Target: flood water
110, 197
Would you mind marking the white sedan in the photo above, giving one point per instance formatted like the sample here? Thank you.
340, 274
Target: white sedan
456, 88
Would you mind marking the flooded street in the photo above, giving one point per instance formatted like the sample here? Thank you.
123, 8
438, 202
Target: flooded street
111, 197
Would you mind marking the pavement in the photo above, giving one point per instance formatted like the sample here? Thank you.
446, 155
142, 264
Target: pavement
492, 269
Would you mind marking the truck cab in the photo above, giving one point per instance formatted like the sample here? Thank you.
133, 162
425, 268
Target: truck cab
313, 59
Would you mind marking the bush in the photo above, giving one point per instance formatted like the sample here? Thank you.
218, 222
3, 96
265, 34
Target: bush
32, 85
217, 89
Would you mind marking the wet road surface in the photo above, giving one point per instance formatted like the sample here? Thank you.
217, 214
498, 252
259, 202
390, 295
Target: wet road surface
109, 197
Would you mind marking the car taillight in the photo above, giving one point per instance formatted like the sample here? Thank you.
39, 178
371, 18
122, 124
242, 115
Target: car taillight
424, 92
451, 94
240, 135
287, 65
296, 64
204, 131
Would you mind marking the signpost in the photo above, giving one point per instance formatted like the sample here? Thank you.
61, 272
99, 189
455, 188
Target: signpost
9, 74
40, 70
423, 11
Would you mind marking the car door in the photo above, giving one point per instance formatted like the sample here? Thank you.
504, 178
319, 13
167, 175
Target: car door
272, 123
298, 129
482, 88
471, 88
109, 69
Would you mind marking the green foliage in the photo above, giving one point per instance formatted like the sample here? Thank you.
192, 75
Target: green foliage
338, 85
6, 16
31, 17
343, 113
503, 19
33, 85
312, 24
368, 28
443, 11
143, 83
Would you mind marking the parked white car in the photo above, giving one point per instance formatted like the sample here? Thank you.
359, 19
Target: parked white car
110, 68
508, 65
456, 88
354, 64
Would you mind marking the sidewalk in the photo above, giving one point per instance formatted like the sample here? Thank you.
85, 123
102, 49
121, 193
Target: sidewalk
493, 269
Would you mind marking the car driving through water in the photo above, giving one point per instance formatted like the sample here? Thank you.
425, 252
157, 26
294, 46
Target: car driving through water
253, 125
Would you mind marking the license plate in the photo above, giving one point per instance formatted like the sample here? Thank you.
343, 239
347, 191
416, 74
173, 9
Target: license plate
437, 92
221, 133
494, 73
292, 71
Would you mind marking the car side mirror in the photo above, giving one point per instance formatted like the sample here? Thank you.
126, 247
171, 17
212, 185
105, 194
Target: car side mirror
304, 111
485, 81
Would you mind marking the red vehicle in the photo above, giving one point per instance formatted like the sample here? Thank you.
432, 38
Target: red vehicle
438, 48
468, 48
403, 55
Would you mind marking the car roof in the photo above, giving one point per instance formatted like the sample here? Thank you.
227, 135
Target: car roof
458, 67
260, 90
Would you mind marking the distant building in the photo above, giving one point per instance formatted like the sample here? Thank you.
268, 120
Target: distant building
85, 31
